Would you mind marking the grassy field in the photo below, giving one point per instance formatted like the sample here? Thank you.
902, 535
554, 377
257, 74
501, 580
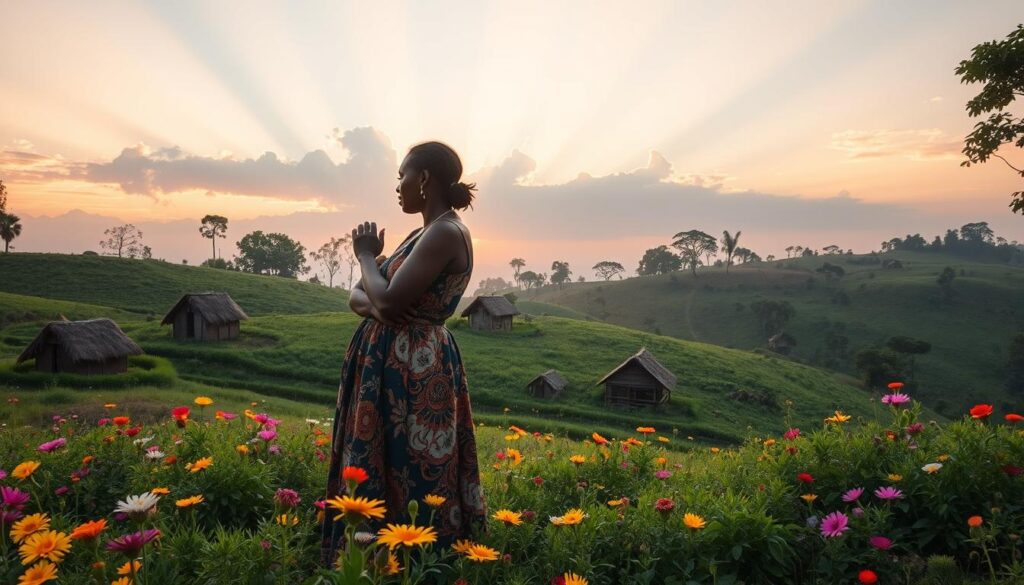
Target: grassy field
969, 334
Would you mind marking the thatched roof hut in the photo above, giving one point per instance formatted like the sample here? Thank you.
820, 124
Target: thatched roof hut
490, 313
639, 381
208, 316
97, 346
547, 385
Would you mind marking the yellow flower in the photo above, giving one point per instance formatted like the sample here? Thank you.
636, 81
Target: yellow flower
574, 579
38, 573
508, 517
199, 464
693, 521
29, 525
616, 503
203, 401
393, 568
126, 569
663, 439
160, 491
809, 497
570, 518
242, 449
24, 470
481, 553
715, 450
356, 509
512, 437
285, 519
434, 501
189, 501
578, 459
769, 442
515, 455
49, 545
462, 546
894, 477
518, 430
943, 458
122, 581
406, 534
838, 417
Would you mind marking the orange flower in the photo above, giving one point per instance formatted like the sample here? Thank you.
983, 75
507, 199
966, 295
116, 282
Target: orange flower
160, 491
203, 401
981, 411
199, 464
87, 459
975, 521
515, 456
356, 509
354, 474
50, 545
121, 420
508, 517
645, 430
693, 521
24, 470
89, 530
578, 459
189, 501
110, 405
599, 439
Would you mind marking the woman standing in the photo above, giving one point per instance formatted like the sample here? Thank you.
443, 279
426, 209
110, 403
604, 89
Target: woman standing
403, 411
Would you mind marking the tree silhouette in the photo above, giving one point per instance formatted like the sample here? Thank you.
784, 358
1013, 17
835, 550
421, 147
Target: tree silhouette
692, 245
273, 253
10, 228
606, 269
658, 260
560, 273
517, 264
729, 243
213, 227
123, 240
329, 256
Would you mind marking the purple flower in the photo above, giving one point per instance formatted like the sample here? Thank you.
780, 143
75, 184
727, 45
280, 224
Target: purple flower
835, 524
663, 474
267, 435
880, 542
287, 498
895, 399
13, 498
274, 450
8, 517
62, 490
858, 512
3, 474
132, 544
888, 493
914, 428
51, 446
853, 494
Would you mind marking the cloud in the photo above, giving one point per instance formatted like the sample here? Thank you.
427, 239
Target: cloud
935, 99
927, 144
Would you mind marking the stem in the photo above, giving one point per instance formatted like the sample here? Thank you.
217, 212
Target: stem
405, 569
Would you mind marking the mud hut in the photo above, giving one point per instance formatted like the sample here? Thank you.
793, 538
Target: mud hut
96, 346
638, 382
209, 316
547, 385
492, 313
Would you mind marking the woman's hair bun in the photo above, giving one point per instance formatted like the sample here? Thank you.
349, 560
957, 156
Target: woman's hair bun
460, 195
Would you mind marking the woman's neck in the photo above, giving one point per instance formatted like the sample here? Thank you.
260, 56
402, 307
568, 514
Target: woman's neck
434, 211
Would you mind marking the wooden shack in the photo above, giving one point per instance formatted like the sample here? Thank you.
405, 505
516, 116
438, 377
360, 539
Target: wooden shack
209, 316
96, 346
547, 385
490, 313
639, 381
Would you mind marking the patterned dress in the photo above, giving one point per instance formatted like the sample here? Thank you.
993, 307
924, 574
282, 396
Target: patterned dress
403, 415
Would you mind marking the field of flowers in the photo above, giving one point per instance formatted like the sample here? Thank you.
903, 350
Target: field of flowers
207, 496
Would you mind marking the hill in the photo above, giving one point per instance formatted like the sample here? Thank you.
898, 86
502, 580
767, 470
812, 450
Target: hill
969, 332
152, 286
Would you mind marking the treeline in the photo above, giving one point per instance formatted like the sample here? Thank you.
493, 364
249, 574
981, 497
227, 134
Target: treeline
974, 240
694, 248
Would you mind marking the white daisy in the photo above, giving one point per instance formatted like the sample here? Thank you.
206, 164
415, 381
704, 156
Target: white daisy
143, 440
138, 506
155, 454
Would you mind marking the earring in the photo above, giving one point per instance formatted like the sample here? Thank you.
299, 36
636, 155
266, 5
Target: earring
421, 190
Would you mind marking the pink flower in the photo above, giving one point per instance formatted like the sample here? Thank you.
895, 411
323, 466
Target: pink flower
888, 493
267, 435
853, 494
103, 422
62, 490
3, 474
914, 428
1012, 470
663, 474
13, 498
791, 434
805, 477
895, 399
835, 524
287, 498
880, 542
858, 512
132, 544
51, 446
664, 505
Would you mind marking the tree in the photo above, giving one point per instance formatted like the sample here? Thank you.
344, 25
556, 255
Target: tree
999, 65
692, 245
606, 269
10, 228
729, 243
909, 347
879, 366
773, 315
945, 281
977, 233
832, 249
123, 240
659, 260
560, 273
770, 258
517, 264
213, 227
491, 286
789, 251
1015, 366
274, 253
329, 256
530, 279
350, 257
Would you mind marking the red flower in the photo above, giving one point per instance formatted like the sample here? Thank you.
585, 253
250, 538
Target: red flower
121, 420
895, 385
1012, 470
559, 580
981, 411
356, 474
131, 432
538, 480
805, 477
1014, 417
180, 415
867, 577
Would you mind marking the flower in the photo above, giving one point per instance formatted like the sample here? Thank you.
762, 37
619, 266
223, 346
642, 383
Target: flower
287, 498
834, 524
805, 477
509, 517
131, 544
895, 385
981, 411
975, 521
199, 464
895, 477
645, 430
160, 491
809, 497
89, 530
570, 518
578, 459
515, 456
664, 506
267, 434
663, 474
224, 415
791, 434
932, 468
880, 542
354, 474
538, 480
356, 509
392, 568
121, 420
128, 566
663, 439
599, 439
852, 495
28, 526
51, 446
406, 534
1013, 417
38, 573
155, 454
573, 579
286, 519
434, 500
481, 553
180, 415
693, 521
24, 470
888, 493
837, 418
914, 428
895, 399
867, 577
138, 506
242, 449
462, 546
769, 442
203, 401
13, 498
122, 581
189, 501
50, 545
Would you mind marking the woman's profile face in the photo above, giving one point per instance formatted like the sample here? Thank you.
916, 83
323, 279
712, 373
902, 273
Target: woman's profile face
408, 188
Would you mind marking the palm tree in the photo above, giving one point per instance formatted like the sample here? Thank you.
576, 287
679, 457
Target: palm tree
10, 228
729, 246
517, 264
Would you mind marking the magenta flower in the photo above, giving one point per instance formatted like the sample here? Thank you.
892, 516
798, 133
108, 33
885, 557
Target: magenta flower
287, 498
880, 542
267, 435
791, 434
3, 474
8, 517
853, 495
663, 474
62, 490
888, 493
132, 544
51, 446
13, 498
835, 524
103, 422
914, 428
895, 399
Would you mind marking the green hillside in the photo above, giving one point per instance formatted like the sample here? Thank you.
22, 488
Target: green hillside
969, 333
152, 287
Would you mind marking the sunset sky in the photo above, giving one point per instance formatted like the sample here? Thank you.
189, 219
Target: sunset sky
595, 130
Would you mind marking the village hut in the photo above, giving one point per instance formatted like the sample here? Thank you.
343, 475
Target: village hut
638, 382
490, 313
782, 343
547, 385
96, 346
209, 316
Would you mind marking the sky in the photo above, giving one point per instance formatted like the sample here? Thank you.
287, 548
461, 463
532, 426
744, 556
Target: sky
594, 129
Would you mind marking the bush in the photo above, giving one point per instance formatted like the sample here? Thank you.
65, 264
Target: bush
143, 370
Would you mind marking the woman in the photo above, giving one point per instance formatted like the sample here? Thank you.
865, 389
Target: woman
403, 411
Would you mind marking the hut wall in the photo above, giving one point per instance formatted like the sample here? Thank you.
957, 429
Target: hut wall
541, 389
46, 361
632, 385
180, 325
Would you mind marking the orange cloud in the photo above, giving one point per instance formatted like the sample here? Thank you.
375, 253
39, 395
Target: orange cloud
920, 145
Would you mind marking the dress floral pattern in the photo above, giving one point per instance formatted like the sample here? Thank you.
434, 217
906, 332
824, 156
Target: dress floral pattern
403, 415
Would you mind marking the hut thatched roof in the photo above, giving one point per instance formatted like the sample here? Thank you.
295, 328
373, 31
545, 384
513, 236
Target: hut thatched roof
93, 340
646, 360
553, 378
215, 308
497, 306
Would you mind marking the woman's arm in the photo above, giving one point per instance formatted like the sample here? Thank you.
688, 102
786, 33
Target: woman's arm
361, 305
